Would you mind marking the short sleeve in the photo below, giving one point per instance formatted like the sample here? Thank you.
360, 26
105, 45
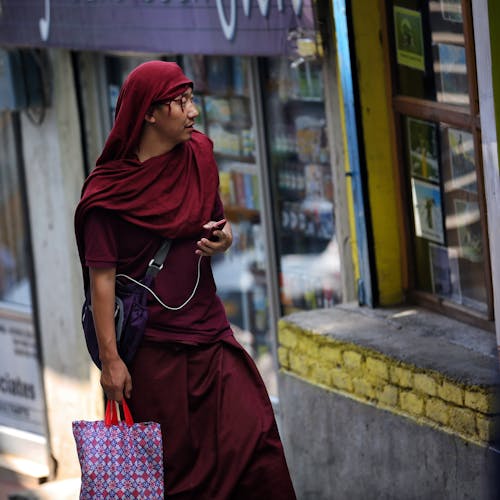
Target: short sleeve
101, 245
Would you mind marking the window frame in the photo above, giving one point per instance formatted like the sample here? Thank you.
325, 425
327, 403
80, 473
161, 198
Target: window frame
462, 117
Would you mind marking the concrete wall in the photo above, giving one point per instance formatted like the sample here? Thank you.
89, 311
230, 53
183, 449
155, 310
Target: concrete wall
54, 175
341, 449
398, 403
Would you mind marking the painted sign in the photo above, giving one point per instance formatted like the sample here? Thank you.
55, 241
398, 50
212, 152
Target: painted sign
245, 27
21, 398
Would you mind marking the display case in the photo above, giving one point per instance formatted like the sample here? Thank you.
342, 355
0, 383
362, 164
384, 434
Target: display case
301, 175
223, 97
225, 103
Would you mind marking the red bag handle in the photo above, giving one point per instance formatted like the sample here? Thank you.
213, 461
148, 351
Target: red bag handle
112, 416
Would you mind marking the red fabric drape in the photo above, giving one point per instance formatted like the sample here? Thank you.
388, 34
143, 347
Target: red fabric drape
220, 438
171, 194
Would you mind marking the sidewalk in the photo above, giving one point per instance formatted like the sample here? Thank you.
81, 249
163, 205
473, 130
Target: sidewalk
68, 489
10, 483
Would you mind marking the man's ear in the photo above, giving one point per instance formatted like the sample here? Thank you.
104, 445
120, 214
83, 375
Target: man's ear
149, 116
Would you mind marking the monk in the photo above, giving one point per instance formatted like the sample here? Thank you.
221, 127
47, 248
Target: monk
155, 179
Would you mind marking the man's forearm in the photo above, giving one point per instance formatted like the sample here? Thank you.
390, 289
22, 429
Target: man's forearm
102, 289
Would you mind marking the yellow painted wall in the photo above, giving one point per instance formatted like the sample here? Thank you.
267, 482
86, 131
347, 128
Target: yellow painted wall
378, 149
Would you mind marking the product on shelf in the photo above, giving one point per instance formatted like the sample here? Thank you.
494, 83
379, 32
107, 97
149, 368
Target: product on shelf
309, 135
239, 184
219, 74
225, 142
218, 110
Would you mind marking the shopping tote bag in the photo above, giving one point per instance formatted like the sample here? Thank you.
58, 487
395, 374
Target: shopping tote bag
119, 458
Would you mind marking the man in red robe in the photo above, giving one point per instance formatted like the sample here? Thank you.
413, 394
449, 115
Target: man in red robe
157, 178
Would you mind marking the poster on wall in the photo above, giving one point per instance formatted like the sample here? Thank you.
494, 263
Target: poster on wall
444, 271
409, 38
452, 74
451, 10
423, 149
427, 211
462, 167
21, 397
440, 270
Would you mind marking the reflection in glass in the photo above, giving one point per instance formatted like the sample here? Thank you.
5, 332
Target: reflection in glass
448, 52
15, 289
451, 74
451, 10
308, 251
463, 219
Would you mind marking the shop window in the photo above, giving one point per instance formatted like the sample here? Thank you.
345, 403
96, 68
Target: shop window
436, 111
223, 96
15, 289
22, 407
299, 154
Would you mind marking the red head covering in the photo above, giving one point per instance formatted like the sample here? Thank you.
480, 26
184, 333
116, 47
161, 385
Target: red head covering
150, 82
172, 194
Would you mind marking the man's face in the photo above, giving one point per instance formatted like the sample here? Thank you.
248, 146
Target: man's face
174, 120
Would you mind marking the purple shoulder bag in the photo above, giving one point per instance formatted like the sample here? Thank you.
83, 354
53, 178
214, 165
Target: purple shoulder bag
131, 312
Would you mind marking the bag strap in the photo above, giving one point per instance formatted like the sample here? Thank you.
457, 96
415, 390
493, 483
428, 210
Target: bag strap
156, 263
112, 416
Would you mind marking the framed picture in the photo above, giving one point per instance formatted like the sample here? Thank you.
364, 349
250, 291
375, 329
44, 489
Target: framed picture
470, 240
444, 269
462, 167
451, 10
423, 149
440, 270
452, 74
409, 38
427, 211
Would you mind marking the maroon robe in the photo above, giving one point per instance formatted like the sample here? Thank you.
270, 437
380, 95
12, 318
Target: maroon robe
220, 436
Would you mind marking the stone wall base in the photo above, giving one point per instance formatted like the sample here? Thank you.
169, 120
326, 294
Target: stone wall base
339, 448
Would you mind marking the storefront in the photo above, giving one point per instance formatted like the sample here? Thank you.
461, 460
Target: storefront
23, 432
391, 394
268, 123
264, 106
436, 108
259, 73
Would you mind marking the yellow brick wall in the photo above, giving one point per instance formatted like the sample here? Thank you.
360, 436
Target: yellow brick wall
430, 398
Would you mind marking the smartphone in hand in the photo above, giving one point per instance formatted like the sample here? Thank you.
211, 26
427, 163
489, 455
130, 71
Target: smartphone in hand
208, 233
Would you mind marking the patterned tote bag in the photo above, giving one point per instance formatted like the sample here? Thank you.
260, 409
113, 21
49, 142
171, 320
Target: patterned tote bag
119, 458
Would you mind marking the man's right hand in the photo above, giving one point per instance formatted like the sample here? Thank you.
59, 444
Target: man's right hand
115, 379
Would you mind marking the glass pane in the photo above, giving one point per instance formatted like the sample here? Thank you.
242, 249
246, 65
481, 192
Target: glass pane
222, 87
463, 219
448, 51
15, 288
429, 48
302, 178
446, 217
414, 72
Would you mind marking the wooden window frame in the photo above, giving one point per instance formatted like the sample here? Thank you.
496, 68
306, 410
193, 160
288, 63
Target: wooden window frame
466, 118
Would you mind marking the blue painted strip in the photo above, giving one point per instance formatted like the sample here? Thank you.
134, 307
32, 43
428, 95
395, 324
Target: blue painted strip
365, 292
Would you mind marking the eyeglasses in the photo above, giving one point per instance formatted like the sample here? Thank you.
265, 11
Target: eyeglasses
181, 101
